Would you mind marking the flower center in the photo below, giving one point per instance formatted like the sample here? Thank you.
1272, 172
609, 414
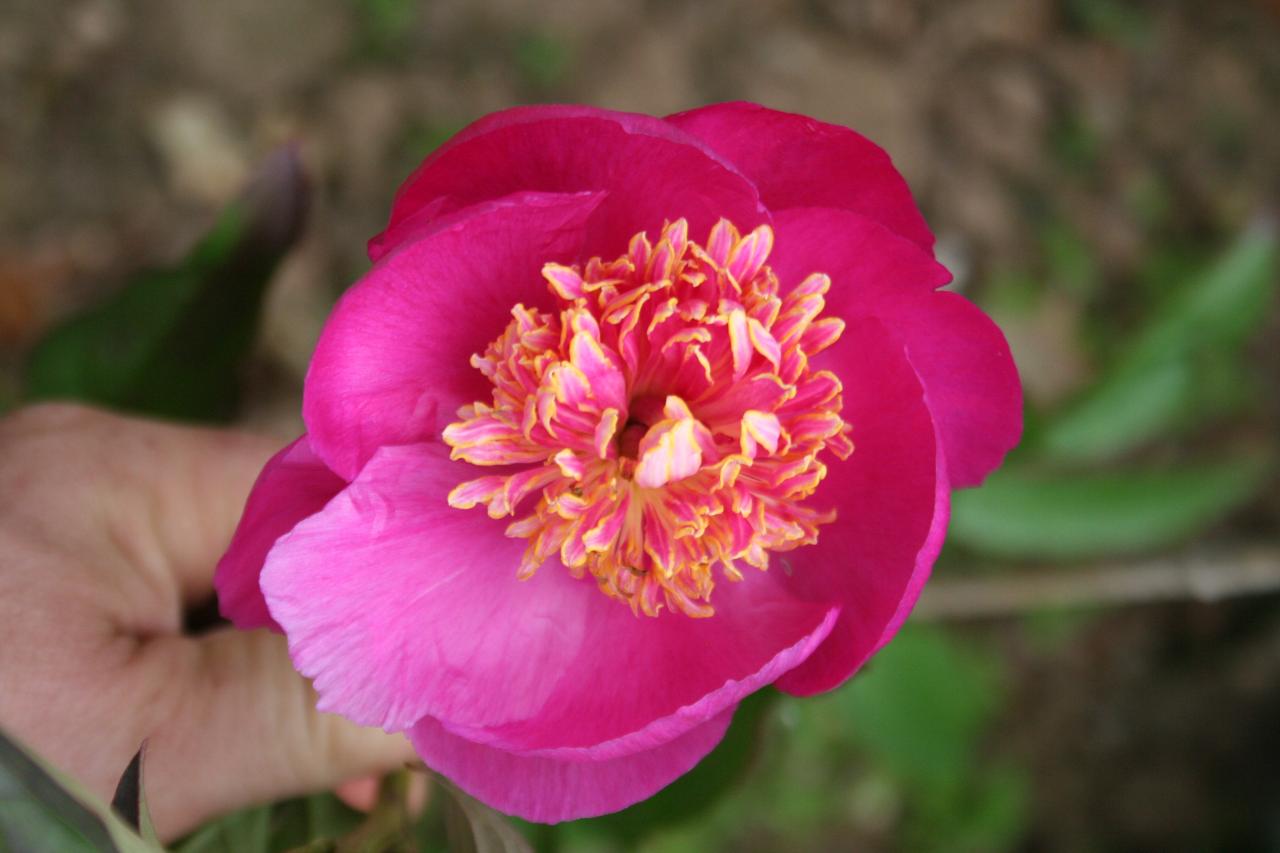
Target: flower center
665, 415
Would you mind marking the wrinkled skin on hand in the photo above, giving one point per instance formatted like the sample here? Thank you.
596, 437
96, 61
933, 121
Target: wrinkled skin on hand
109, 531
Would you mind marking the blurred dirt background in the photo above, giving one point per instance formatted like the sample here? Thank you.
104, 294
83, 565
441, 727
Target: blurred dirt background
1056, 147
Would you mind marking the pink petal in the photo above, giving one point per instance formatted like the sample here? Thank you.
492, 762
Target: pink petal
401, 607
970, 380
891, 496
393, 363
652, 171
797, 161
548, 790
293, 484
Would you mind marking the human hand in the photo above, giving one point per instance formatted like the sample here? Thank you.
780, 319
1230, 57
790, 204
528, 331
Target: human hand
109, 531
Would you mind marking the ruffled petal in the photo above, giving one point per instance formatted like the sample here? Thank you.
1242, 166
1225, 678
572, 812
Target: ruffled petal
652, 172
970, 380
400, 607
293, 485
393, 363
548, 790
797, 161
891, 497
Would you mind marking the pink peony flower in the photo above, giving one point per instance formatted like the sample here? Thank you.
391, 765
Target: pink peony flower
630, 418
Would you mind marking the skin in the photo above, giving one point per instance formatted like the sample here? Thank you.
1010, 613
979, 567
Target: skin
109, 530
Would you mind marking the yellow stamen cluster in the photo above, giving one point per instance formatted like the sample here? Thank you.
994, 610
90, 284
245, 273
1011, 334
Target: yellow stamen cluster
667, 418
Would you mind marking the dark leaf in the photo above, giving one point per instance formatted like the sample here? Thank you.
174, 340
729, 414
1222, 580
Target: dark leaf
127, 800
130, 799
173, 342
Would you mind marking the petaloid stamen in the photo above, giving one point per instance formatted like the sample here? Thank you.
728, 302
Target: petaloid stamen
667, 415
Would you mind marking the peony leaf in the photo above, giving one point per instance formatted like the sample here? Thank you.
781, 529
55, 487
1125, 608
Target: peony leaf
1021, 515
173, 341
42, 810
1172, 373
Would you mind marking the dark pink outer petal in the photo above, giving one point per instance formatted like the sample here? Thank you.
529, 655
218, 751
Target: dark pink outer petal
797, 161
547, 790
891, 497
393, 363
971, 382
293, 485
402, 607
652, 172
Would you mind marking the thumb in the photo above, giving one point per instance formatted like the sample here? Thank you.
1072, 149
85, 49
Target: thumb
245, 730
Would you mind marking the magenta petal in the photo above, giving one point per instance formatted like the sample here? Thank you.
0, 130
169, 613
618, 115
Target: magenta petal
652, 171
970, 380
400, 607
678, 672
547, 790
797, 161
293, 485
393, 363
891, 496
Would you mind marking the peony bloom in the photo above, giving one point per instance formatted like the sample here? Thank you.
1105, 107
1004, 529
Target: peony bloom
630, 418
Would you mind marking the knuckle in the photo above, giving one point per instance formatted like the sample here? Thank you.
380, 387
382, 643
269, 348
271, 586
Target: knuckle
44, 417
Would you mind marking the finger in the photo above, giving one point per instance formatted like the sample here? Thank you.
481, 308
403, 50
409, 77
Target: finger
167, 496
244, 730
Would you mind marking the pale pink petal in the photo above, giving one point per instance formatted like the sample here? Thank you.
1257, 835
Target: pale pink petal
548, 790
400, 607
652, 171
797, 161
971, 382
891, 497
393, 363
293, 485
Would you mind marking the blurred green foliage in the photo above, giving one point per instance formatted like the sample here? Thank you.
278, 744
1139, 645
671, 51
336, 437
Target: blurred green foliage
173, 342
384, 26
542, 61
1062, 496
1176, 371
1077, 516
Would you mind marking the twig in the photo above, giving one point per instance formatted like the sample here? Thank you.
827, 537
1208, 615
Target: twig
1199, 575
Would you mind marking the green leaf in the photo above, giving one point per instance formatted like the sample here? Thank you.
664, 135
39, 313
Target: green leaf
1127, 408
42, 810
1022, 515
173, 342
473, 827
1172, 375
921, 705
247, 831
1223, 305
